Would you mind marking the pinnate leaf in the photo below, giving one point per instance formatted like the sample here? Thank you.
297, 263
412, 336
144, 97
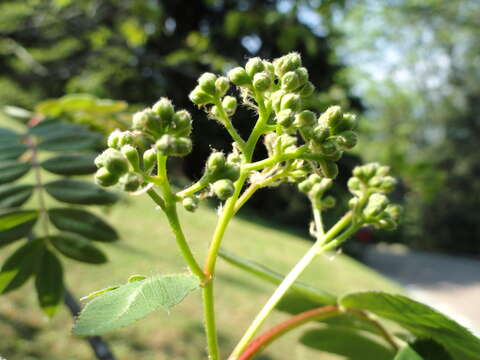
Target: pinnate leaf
77, 248
70, 164
12, 218
11, 170
11, 151
69, 142
79, 192
421, 320
130, 302
82, 222
14, 195
49, 283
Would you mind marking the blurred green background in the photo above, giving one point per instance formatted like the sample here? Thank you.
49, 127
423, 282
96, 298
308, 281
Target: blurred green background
410, 69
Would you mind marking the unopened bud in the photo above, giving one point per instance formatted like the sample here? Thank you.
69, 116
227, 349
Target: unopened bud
149, 160
332, 116
290, 101
229, 103
261, 81
206, 83
287, 63
223, 189
105, 178
239, 76
306, 90
306, 118
172, 146
329, 169
182, 122
347, 139
221, 85
199, 97
190, 203
130, 182
164, 108
376, 204
286, 118
254, 66
290, 81
116, 163
132, 156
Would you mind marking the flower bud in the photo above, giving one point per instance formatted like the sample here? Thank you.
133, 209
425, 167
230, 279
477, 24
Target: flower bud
132, 156
376, 204
261, 81
354, 184
105, 178
332, 116
347, 139
302, 74
305, 186
172, 146
328, 202
269, 69
395, 211
164, 108
149, 160
112, 141
229, 103
329, 147
386, 223
286, 118
348, 122
190, 203
290, 81
306, 118
130, 182
320, 134
239, 76
375, 182
206, 83
290, 101
388, 184
148, 121
215, 161
223, 189
116, 163
199, 97
221, 85
277, 99
253, 66
383, 170
287, 63
306, 90
353, 202
182, 122
329, 169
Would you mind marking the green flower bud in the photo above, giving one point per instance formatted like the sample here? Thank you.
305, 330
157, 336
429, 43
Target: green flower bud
164, 108
376, 204
395, 211
231, 171
290, 101
132, 156
190, 203
222, 85
148, 121
305, 186
215, 112
254, 65
383, 170
206, 83
386, 223
286, 118
115, 162
130, 182
328, 202
223, 189
307, 89
306, 118
320, 134
182, 122
375, 182
239, 76
347, 139
277, 99
369, 170
172, 146
149, 160
215, 161
230, 105
105, 178
261, 81
234, 158
354, 184
290, 81
200, 97
302, 74
112, 141
388, 184
329, 169
353, 202
269, 69
329, 147
319, 189
348, 122
332, 116
315, 178
287, 63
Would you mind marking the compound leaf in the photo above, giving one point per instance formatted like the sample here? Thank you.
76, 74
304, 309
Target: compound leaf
69, 142
70, 164
130, 302
79, 192
77, 248
11, 151
11, 170
11, 218
49, 283
14, 195
82, 222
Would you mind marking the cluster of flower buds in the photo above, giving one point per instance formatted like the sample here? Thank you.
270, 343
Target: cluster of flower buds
130, 154
315, 187
221, 172
371, 182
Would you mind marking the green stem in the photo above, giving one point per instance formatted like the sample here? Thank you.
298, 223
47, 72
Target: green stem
317, 217
192, 189
225, 120
210, 323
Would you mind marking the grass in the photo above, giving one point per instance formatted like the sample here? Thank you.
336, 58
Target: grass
147, 248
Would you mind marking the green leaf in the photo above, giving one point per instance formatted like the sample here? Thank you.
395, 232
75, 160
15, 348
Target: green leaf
421, 320
20, 266
99, 292
310, 294
407, 353
71, 142
79, 192
12, 170
14, 195
78, 248
17, 112
49, 283
71, 164
130, 302
56, 128
430, 350
14, 217
8, 137
82, 222
347, 343
11, 151
16, 232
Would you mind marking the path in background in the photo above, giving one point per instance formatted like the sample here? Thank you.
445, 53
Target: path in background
450, 284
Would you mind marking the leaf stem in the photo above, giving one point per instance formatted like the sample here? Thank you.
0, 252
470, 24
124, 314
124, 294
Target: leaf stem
225, 121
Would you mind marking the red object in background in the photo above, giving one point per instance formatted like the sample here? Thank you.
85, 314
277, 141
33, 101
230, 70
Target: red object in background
365, 236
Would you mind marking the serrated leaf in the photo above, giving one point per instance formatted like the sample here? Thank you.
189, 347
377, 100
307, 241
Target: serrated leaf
71, 142
12, 170
20, 266
407, 353
13, 217
421, 320
77, 248
49, 283
16, 232
79, 192
14, 195
11, 151
307, 292
347, 343
82, 222
70, 164
133, 301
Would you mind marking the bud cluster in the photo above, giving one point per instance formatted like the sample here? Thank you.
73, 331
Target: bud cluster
315, 187
221, 172
371, 182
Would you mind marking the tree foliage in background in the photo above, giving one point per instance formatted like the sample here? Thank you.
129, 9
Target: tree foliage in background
416, 66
